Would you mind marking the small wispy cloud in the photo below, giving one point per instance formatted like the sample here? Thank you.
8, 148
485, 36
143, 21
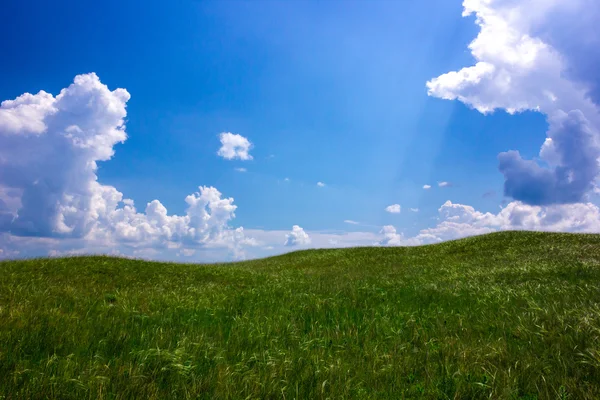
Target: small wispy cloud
320, 184
414, 209
241, 169
349, 221
394, 209
426, 187
444, 184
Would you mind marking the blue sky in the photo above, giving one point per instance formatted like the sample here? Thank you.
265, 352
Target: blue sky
334, 92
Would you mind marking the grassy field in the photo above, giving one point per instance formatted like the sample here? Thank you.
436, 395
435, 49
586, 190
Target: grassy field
512, 315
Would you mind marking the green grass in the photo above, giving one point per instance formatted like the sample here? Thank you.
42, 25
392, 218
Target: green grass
512, 315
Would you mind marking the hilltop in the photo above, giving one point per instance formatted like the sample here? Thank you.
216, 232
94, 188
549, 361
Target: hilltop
512, 315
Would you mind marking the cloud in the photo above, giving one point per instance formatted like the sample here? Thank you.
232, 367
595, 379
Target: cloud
241, 169
414, 209
444, 184
426, 187
49, 150
459, 220
318, 239
527, 59
455, 221
234, 146
349, 221
394, 209
297, 237
574, 148
390, 237
320, 184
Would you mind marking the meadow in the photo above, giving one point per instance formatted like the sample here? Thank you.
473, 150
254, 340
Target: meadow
511, 315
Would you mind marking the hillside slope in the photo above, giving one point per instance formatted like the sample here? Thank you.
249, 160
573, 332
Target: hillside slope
507, 315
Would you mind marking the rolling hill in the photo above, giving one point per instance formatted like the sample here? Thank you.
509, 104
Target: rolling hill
510, 315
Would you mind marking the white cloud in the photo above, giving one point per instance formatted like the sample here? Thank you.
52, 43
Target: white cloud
349, 221
414, 209
394, 209
241, 169
426, 187
49, 149
536, 55
390, 237
320, 184
297, 237
455, 221
459, 220
444, 184
234, 146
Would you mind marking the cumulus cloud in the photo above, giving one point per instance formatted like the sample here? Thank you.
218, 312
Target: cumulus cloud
49, 150
426, 187
320, 184
234, 146
459, 220
575, 151
390, 236
394, 209
297, 237
526, 59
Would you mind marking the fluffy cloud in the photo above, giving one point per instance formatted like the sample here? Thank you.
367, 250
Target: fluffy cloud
320, 184
458, 221
527, 60
574, 150
234, 146
426, 187
49, 150
297, 237
390, 237
394, 209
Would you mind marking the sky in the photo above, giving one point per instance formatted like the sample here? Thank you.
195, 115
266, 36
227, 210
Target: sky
206, 131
